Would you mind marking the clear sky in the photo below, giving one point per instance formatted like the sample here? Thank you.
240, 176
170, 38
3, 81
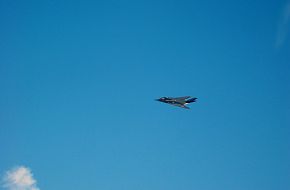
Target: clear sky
78, 81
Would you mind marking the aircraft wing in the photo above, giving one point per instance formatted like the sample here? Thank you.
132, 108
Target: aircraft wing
181, 98
179, 105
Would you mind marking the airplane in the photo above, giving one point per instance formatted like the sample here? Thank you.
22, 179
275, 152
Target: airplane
177, 101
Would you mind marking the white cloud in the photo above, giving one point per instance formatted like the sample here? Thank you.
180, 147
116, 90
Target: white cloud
19, 178
284, 26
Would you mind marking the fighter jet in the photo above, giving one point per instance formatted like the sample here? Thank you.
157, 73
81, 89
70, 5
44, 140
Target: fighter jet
177, 101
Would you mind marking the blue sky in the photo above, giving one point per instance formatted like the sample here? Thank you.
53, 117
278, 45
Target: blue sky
78, 81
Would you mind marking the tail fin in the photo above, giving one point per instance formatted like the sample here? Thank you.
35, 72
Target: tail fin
191, 100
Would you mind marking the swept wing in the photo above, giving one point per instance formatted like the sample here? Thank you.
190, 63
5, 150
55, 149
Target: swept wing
181, 98
178, 105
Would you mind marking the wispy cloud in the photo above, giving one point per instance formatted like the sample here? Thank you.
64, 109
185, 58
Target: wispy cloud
284, 25
19, 178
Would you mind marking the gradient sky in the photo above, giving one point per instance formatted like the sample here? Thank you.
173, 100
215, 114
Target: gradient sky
78, 81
